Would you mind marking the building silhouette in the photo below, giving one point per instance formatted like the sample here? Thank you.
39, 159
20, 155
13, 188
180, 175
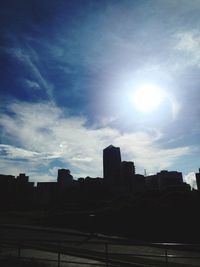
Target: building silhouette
64, 177
139, 183
198, 180
151, 182
112, 165
127, 174
167, 179
22, 178
16, 191
46, 193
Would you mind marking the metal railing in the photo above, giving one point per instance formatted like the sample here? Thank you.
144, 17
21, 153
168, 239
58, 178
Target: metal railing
105, 251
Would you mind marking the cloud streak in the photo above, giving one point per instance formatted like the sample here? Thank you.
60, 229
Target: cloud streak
29, 58
12, 152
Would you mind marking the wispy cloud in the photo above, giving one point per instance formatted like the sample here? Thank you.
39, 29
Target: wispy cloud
12, 152
188, 43
32, 84
31, 61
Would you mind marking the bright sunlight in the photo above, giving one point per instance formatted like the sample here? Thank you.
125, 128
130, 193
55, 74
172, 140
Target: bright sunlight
147, 97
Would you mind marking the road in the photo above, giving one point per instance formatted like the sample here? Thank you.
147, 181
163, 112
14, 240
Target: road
96, 249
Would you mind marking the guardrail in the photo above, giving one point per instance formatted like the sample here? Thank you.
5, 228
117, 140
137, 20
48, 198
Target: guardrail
105, 256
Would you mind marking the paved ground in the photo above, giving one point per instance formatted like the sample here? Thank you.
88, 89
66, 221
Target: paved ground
86, 248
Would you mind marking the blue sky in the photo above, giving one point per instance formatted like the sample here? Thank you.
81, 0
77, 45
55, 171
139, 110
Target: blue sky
68, 73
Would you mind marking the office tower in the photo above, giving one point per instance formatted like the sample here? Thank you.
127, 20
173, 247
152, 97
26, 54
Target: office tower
198, 180
64, 177
112, 165
127, 173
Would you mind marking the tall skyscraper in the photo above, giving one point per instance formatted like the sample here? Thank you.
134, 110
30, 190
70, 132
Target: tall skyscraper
112, 165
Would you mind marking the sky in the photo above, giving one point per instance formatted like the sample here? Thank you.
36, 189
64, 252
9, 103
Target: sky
69, 72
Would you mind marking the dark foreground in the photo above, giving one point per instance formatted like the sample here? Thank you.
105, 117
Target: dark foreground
12, 262
146, 224
75, 248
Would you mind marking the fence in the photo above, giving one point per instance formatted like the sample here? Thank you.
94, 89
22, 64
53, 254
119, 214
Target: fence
102, 251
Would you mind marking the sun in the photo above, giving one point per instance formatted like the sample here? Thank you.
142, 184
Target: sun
147, 98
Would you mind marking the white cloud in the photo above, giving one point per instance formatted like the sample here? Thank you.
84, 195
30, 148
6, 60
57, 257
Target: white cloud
12, 152
147, 154
190, 178
44, 133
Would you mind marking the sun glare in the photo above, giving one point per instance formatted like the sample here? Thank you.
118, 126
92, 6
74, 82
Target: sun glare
147, 97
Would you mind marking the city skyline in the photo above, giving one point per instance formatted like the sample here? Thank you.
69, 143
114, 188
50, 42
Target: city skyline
76, 77
116, 172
